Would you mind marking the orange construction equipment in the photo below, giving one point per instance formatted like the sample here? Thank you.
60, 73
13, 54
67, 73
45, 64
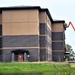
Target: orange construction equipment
70, 23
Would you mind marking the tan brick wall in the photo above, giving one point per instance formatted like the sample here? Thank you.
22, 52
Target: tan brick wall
48, 22
43, 18
20, 16
6, 29
6, 16
57, 27
20, 22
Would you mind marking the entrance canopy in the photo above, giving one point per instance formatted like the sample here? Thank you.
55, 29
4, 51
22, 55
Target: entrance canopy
20, 51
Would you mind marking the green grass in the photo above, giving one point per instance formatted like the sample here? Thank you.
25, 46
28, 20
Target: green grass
35, 67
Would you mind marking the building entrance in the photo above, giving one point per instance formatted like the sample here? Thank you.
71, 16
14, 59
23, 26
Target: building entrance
20, 57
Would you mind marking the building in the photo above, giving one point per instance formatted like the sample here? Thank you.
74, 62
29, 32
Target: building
30, 34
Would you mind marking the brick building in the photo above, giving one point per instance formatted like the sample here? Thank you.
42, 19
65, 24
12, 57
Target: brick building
30, 34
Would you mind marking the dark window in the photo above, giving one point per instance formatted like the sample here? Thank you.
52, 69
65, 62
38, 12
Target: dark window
21, 41
58, 56
42, 41
58, 46
43, 54
42, 28
0, 30
0, 55
0, 42
57, 36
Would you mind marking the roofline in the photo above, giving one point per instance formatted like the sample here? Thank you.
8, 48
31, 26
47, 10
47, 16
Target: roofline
48, 13
32, 7
59, 21
20, 7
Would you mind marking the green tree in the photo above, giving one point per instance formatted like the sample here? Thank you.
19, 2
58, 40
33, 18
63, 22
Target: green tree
70, 51
69, 48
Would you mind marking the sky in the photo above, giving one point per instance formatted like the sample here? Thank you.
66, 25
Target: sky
59, 9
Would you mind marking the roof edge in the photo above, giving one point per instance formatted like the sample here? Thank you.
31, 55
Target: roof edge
59, 21
20, 7
32, 7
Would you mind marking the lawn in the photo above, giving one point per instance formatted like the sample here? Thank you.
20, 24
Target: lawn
36, 67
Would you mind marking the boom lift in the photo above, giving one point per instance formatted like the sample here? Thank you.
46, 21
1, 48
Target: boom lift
67, 25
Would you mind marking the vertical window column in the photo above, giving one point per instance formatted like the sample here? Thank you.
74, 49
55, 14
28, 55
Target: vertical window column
0, 36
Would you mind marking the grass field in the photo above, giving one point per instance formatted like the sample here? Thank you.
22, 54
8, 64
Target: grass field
36, 67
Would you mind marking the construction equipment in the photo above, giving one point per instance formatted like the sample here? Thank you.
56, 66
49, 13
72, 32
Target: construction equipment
67, 25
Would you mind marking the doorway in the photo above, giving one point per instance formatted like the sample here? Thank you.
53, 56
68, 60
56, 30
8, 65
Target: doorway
20, 57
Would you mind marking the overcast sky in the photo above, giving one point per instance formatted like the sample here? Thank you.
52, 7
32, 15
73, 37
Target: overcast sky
59, 9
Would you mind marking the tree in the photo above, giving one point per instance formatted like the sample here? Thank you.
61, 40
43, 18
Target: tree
70, 51
69, 48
